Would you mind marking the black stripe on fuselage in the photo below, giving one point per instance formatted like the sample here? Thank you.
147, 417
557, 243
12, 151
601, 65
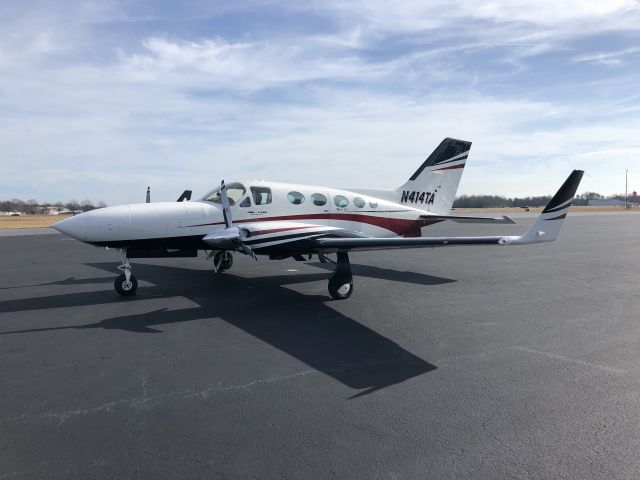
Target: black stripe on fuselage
182, 242
277, 238
299, 244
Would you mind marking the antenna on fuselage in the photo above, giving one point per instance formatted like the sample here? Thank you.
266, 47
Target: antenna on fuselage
148, 195
186, 196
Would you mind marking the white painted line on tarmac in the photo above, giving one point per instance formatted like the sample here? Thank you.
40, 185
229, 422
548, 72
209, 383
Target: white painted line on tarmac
555, 356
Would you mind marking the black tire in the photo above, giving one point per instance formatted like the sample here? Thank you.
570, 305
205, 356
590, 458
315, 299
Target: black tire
123, 288
227, 260
340, 291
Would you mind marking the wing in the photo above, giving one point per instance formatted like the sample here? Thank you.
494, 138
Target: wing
363, 244
467, 219
545, 229
256, 235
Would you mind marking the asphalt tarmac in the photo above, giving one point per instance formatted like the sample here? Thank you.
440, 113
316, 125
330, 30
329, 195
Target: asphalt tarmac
462, 362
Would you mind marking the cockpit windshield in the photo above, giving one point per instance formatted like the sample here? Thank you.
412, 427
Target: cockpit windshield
235, 191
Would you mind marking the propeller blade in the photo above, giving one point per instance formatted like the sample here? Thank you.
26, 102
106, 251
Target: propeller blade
226, 208
247, 251
228, 239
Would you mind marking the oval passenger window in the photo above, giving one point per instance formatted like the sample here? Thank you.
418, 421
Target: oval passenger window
318, 199
340, 201
373, 204
295, 197
358, 202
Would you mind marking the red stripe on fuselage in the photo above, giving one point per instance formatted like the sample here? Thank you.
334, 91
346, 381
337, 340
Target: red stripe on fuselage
399, 226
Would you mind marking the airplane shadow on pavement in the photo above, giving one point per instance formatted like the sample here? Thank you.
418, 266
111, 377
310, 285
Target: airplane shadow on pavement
303, 326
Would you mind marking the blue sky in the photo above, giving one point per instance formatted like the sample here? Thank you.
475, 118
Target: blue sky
99, 99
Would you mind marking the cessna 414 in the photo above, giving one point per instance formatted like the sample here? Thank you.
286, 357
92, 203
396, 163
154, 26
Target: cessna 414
289, 220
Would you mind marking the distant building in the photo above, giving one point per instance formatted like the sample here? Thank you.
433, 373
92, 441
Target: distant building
606, 202
53, 210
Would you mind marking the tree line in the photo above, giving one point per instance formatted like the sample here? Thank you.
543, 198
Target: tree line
496, 201
32, 206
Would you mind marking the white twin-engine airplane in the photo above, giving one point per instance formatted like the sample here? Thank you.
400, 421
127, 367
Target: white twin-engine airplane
289, 220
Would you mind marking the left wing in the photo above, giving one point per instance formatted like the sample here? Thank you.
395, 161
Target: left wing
545, 229
260, 234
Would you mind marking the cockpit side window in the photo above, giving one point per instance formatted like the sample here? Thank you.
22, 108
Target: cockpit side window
261, 195
235, 191
246, 202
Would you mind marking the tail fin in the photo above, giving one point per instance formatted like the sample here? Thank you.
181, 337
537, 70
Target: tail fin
434, 185
547, 227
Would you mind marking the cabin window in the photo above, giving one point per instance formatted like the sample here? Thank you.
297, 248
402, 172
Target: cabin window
318, 199
373, 204
246, 202
359, 202
295, 197
235, 191
340, 201
261, 195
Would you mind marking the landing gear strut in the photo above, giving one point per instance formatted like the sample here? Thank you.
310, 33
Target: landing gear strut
341, 280
222, 260
125, 284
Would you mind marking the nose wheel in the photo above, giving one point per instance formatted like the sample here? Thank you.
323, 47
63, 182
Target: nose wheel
126, 287
125, 284
341, 280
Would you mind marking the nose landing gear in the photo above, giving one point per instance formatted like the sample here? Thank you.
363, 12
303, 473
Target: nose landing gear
125, 284
341, 280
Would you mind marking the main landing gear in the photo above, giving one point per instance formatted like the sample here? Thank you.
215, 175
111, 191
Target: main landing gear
125, 284
222, 260
341, 280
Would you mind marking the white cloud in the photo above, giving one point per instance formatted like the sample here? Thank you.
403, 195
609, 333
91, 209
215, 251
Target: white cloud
177, 112
609, 58
216, 63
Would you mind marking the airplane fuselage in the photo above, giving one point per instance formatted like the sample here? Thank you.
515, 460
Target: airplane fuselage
182, 225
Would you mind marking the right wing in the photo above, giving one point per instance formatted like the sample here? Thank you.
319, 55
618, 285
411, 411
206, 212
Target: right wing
545, 229
467, 219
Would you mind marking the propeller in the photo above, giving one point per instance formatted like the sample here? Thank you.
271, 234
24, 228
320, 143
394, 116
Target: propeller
226, 208
228, 238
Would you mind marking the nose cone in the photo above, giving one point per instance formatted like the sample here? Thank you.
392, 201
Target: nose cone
75, 226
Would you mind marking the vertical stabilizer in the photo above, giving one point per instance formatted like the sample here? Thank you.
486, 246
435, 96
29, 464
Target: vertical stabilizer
433, 186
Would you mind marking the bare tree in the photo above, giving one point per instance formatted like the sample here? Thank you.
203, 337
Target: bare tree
87, 205
73, 205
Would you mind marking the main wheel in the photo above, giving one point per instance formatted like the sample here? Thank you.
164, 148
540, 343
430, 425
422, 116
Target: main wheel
224, 260
340, 291
125, 288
